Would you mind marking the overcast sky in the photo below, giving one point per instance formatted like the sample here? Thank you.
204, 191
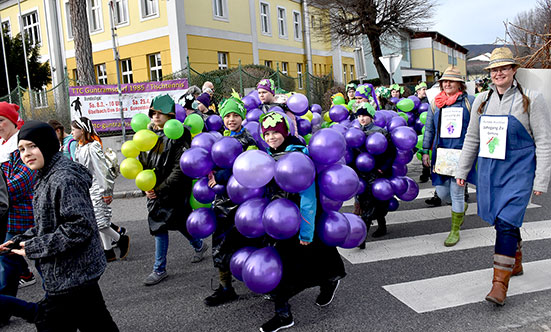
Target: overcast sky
477, 21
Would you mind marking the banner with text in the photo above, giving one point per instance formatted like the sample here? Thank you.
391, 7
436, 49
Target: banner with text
100, 103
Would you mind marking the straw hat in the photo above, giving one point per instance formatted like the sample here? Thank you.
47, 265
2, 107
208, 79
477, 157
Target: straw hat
501, 56
452, 74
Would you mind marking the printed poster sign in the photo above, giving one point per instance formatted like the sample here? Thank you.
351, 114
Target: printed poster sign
100, 103
452, 122
493, 136
446, 161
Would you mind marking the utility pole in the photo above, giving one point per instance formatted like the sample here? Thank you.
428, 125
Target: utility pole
26, 58
117, 61
5, 61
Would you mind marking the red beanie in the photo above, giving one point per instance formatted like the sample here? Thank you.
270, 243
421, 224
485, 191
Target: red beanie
9, 111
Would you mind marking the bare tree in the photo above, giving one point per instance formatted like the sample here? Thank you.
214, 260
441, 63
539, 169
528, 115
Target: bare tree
375, 19
83, 44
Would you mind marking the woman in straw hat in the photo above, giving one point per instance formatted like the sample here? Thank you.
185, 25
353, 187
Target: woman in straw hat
509, 132
445, 132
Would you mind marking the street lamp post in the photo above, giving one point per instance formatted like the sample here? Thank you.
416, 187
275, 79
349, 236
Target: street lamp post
117, 60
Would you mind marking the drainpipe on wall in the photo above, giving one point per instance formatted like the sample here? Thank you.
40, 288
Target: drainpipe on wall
307, 42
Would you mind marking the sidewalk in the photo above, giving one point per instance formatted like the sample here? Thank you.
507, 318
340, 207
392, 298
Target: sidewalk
125, 188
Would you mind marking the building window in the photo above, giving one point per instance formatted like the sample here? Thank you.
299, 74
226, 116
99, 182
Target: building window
299, 75
31, 26
297, 25
155, 67
344, 73
268, 63
126, 71
120, 14
312, 22
75, 75
282, 22
351, 72
220, 9
6, 27
101, 74
40, 98
68, 21
94, 15
285, 67
149, 8
265, 18
405, 49
222, 60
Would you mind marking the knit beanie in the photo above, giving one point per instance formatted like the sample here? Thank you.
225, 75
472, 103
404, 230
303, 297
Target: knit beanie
274, 121
204, 99
9, 111
164, 104
43, 135
365, 109
232, 105
363, 91
267, 84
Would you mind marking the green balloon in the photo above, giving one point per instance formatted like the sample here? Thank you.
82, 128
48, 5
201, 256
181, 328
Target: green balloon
419, 155
423, 130
195, 204
419, 144
423, 117
139, 122
173, 129
339, 100
307, 138
403, 115
326, 124
351, 104
195, 123
405, 105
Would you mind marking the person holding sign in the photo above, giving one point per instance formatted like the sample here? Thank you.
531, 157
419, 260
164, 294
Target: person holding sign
509, 131
445, 132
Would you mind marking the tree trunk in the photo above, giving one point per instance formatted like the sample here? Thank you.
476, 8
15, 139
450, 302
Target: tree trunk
376, 52
83, 44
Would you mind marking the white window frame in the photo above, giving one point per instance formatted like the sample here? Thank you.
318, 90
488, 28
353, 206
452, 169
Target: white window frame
223, 60
265, 25
8, 21
299, 75
68, 26
157, 68
144, 16
127, 75
285, 67
220, 5
101, 73
35, 25
91, 10
282, 22
297, 25
268, 63
117, 5
40, 98
345, 73
352, 74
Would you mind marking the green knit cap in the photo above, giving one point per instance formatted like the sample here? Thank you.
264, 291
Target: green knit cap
162, 103
233, 105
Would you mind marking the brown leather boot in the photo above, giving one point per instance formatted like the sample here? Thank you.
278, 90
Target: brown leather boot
357, 209
503, 268
517, 269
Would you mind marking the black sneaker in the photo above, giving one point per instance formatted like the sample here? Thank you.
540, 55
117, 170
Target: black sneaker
380, 231
362, 245
121, 231
434, 200
110, 255
124, 246
423, 179
221, 296
278, 322
327, 293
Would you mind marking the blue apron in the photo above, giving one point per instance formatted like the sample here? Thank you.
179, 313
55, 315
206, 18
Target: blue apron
505, 186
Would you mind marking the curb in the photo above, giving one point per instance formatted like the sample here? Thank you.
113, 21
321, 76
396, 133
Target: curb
128, 194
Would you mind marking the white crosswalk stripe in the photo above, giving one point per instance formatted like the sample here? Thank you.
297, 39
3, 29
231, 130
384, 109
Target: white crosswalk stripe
423, 194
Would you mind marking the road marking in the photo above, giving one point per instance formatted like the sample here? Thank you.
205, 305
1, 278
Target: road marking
469, 287
434, 243
423, 194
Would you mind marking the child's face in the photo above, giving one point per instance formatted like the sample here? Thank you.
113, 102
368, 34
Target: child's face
364, 119
273, 138
233, 121
159, 119
395, 93
77, 133
265, 96
360, 100
31, 154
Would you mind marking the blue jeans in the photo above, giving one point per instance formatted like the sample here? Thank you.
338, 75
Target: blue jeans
161, 249
11, 267
12, 306
449, 191
507, 238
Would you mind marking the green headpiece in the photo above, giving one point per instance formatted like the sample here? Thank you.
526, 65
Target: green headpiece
383, 92
365, 109
420, 86
233, 105
397, 87
163, 104
351, 86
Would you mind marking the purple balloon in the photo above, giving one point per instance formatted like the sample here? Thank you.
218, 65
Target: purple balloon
253, 169
418, 126
354, 137
394, 100
304, 126
382, 189
248, 217
263, 270
403, 157
399, 184
339, 182
376, 143
399, 170
405, 138
277, 109
201, 223
411, 118
254, 114
196, 162
254, 95
347, 123
298, 104
338, 113
316, 108
202, 192
238, 260
216, 135
395, 122
380, 119
281, 219
365, 162
358, 231
294, 172
327, 146
225, 151
339, 128
316, 119
203, 140
180, 113
239, 194
327, 204
416, 101
348, 156
214, 122
361, 187
250, 102
219, 189
393, 204
356, 124
253, 128
412, 191
334, 228
423, 107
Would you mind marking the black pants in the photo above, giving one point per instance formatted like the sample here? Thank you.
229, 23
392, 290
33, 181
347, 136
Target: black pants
82, 308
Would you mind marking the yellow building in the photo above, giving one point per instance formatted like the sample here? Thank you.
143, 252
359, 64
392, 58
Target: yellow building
155, 37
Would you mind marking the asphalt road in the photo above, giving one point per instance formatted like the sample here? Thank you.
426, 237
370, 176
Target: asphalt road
361, 303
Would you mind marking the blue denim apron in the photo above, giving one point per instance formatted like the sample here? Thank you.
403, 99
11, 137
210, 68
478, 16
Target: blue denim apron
505, 186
